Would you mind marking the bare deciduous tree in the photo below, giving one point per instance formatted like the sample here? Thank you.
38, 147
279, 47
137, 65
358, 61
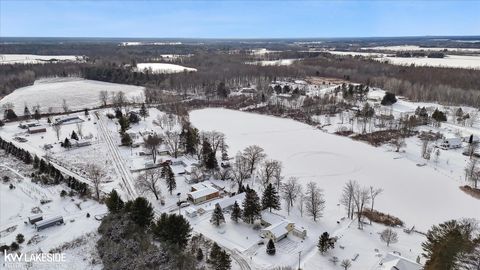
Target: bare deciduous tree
361, 197
80, 129
389, 236
152, 142
103, 96
347, 197
314, 203
58, 130
215, 138
254, 154
65, 106
172, 139
149, 181
290, 191
240, 171
95, 174
374, 192
268, 170
398, 143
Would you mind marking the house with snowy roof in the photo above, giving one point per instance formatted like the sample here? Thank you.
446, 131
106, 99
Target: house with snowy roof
203, 191
277, 227
396, 262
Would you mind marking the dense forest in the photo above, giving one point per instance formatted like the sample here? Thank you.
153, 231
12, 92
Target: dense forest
227, 62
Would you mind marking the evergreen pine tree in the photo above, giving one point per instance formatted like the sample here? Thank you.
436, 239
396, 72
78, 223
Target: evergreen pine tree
219, 259
208, 156
325, 243
251, 207
173, 230
199, 255
114, 202
66, 143
169, 176
143, 111
217, 216
37, 115
36, 162
141, 212
26, 112
74, 136
271, 247
270, 198
236, 212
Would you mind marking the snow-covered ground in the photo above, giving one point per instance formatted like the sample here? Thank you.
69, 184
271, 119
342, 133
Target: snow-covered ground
281, 62
37, 59
17, 204
78, 93
455, 61
164, 68
418, 48
410, 192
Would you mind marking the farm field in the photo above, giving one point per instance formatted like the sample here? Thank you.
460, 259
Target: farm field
78, 93
452, 61
164, 68
37, 59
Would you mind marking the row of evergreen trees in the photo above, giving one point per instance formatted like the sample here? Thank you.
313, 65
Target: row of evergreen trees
45, 171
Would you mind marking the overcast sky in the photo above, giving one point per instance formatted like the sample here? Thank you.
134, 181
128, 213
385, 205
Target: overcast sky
238, 19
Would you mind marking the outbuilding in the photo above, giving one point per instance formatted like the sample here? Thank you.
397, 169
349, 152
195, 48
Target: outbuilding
451, 143
203, 191
36, 129
40, 225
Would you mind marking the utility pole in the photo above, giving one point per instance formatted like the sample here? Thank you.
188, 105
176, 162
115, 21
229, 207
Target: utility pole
178, 195
299, 255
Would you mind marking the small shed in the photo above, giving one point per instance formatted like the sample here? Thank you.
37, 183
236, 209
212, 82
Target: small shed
36, 129
190, 212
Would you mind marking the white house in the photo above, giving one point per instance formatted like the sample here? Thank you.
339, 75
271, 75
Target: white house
451, 143
396, 262
277, 227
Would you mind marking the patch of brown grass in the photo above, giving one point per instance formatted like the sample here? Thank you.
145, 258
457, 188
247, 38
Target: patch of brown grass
382, 218
474, 192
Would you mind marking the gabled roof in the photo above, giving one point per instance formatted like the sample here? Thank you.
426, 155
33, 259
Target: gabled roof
202, 192
396, 262
278, 229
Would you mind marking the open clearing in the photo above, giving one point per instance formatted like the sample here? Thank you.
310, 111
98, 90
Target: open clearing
36, 59
452, 61
329, 160
164, 68
78, 93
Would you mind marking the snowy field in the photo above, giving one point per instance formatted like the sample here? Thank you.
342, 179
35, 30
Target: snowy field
164, 68
329, 160
455, 61
281, 62
418, 48
37, 59
78, 93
